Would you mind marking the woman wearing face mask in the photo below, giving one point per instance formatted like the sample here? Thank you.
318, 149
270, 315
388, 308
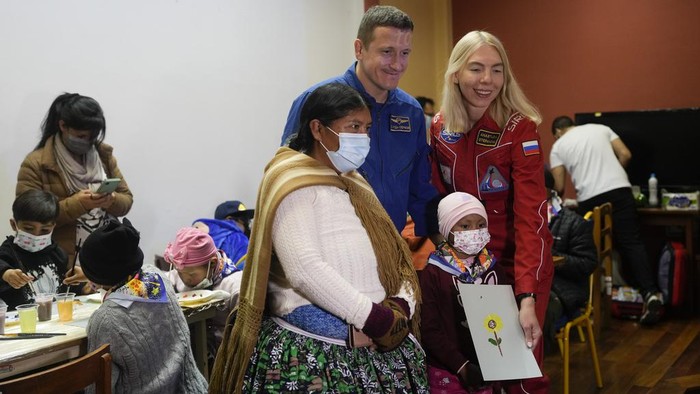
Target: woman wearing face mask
199, 265
326, 261
452, 363
484, 142
70, 161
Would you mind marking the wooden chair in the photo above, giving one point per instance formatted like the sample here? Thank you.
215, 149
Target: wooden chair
602, 237
71, 377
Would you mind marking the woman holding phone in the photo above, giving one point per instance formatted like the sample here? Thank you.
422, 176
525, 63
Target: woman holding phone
72, 162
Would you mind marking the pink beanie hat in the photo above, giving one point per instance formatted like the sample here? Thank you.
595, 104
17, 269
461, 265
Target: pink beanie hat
192, 247
454, 207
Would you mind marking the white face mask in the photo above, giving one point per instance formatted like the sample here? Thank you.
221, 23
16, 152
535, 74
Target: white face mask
352, 151
471, 241
32, 243
206, 282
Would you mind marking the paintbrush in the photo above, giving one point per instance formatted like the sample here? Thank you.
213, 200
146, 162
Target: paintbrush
24, 269
34, 334
10, 337
75, 260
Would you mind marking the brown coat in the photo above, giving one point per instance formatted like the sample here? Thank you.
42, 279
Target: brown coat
40, 170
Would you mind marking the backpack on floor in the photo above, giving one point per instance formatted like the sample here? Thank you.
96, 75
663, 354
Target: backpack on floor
672, 273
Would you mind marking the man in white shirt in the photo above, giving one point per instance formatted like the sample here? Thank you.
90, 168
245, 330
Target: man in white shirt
595, 157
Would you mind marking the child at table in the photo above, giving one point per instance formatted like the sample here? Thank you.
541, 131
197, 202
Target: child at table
452, 363
139, 317
29, 261
198, 265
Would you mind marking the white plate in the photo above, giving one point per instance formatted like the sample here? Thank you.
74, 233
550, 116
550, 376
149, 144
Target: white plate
194, 297
95, 297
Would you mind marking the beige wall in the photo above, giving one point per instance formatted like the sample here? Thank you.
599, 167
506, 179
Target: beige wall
432, 43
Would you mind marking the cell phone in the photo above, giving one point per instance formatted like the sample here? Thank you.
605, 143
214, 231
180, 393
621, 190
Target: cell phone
108, 185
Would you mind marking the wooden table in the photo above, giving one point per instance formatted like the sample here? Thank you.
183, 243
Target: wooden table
685, 220
23, 355
197, 319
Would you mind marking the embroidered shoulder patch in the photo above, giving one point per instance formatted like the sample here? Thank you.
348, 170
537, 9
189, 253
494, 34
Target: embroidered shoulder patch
493, 181
531, 148
488, 138
450, 137
400, 124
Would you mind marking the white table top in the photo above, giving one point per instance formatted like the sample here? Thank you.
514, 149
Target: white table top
74, 329
20, 355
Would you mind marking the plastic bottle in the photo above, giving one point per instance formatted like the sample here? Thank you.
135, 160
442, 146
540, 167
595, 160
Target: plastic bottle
653, 192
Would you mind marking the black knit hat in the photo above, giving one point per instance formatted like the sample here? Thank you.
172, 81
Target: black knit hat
111, 253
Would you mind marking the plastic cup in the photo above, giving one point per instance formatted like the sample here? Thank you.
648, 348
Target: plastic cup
28, 315
3, 312
64, 302
44, 300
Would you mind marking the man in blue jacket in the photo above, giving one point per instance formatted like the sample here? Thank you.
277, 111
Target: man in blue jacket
397, 164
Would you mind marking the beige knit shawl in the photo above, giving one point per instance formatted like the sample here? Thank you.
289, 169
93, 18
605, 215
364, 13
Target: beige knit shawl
288, 171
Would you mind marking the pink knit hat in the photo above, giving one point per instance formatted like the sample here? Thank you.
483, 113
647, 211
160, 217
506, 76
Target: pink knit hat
454, 207
192, 247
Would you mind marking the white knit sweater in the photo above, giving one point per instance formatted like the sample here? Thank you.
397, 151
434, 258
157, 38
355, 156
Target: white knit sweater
326, 255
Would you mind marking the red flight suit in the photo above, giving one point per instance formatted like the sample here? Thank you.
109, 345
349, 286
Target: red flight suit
504, 168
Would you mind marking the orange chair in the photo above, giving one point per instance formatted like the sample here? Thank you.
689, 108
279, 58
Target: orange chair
602, 237
71, 377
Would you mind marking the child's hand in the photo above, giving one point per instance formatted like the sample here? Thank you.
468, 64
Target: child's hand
77, 277
16, 278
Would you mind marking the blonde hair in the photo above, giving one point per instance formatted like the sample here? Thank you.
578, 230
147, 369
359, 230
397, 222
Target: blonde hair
509, 100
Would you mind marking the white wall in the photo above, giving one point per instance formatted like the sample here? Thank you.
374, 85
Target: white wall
195, 92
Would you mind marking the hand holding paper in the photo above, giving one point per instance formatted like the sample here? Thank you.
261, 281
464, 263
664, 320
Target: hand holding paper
498, 330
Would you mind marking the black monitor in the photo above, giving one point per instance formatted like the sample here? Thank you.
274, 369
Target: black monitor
665, 142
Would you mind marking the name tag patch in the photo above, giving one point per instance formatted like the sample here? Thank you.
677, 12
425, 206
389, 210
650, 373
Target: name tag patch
401, 124
531, 148
488, 138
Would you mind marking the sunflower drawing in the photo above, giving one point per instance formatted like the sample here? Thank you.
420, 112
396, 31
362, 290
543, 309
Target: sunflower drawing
493, 323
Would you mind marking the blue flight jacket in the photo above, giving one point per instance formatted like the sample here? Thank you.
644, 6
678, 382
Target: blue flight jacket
397, 165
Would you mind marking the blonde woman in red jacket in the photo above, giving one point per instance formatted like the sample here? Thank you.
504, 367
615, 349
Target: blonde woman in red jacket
485, 143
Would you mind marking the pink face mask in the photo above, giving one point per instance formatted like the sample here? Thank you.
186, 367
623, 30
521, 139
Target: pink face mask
471, 242
32, 243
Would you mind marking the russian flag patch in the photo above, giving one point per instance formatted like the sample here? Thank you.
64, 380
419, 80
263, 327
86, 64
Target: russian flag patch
531, 148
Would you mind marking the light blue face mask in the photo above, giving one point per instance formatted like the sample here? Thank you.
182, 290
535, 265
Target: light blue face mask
351, 153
